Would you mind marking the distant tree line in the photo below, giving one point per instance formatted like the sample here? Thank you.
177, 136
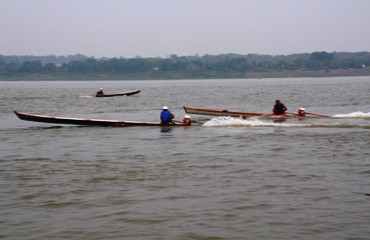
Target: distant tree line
218, 63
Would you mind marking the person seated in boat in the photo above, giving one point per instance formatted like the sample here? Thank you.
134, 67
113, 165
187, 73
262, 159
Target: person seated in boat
279, 108
186, 120
166, 116
100, 92
301, 112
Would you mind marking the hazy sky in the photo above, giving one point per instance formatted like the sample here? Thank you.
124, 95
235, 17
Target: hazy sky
159, 28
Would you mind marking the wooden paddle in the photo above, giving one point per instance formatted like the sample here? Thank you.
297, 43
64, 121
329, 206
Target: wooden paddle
313, 114
319, 115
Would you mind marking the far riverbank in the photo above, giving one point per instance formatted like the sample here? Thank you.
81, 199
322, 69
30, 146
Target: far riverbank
186, 75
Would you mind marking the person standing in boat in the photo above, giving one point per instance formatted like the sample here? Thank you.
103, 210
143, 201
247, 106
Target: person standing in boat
279, 108
166, 116
99, 93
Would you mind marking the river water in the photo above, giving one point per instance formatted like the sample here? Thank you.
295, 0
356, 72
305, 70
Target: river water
226, 179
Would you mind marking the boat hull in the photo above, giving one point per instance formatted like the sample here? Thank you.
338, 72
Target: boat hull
214, 112
90, 122
129, 93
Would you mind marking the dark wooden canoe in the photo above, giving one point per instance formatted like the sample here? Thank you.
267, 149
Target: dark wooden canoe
90, 122
129, 93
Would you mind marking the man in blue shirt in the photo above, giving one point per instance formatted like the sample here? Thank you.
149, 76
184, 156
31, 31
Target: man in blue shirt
166, 116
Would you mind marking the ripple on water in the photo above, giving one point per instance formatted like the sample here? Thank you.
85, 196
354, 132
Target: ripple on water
249, 179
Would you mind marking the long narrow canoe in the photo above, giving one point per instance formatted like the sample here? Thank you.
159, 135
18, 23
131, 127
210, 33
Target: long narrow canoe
90, 122
129, 93
214, 112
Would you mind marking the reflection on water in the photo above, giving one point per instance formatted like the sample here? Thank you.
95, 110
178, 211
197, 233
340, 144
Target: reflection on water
166, 129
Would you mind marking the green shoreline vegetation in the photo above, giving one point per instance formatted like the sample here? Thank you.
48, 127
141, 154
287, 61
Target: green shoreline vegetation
224, 66
178, 75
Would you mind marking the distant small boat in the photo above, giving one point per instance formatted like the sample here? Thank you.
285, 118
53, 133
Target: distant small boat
128, 93
91, 122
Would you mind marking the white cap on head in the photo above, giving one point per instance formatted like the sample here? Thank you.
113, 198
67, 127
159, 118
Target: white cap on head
165, 107
101, 89
187, 116
302, 109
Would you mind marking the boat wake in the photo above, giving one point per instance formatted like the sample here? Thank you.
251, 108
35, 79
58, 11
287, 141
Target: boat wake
240, 122
87, 97
353, 115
